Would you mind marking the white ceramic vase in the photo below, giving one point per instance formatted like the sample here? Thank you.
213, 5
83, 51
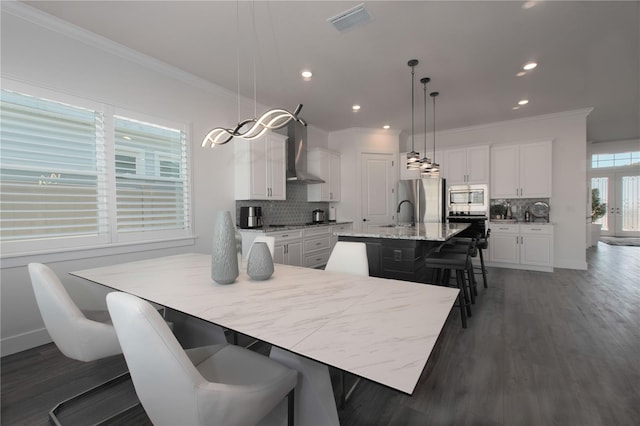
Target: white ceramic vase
224, 257
260, 262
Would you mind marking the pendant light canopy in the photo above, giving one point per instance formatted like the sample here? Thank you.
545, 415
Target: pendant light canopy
413, 157
435, 167
425, 163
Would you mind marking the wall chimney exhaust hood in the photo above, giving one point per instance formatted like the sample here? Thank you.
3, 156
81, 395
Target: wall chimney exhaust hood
297, 155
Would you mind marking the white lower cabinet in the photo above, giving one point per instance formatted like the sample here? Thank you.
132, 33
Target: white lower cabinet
308, 247
524, 246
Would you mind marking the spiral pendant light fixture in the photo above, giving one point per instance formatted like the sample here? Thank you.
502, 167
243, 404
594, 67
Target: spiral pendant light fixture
413, 157
251, 128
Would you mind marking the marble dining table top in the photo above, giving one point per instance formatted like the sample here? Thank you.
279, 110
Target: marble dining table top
379, 329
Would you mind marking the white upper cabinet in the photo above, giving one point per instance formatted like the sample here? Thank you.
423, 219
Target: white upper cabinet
466, 165
521, 171
326, 165
260, 168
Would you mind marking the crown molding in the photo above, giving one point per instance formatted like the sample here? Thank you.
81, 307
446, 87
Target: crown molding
52, 23
553, 116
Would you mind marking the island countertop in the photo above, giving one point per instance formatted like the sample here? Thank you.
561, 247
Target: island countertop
421, 231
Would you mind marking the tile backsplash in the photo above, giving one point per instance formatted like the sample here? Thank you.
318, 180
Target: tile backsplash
520, 205
294, 210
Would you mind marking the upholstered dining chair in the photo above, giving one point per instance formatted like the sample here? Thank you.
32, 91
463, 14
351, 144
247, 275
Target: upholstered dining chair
219, 384
349, 257
83, 336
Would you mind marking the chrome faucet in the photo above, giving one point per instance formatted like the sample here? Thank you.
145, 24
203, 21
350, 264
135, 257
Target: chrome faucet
413, 220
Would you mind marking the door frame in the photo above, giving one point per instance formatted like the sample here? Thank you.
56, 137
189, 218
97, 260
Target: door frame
393, 173
614, 189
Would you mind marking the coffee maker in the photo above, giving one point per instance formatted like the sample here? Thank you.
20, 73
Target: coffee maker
250, 217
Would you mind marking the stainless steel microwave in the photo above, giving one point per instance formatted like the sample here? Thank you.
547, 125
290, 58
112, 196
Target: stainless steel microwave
468, 198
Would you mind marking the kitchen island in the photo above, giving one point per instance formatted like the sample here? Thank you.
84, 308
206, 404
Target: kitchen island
398, 252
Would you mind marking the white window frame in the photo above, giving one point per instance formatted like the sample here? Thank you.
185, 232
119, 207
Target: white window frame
108, 239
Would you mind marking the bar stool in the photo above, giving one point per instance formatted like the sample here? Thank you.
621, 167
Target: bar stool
443, 262
483, 244
461, 245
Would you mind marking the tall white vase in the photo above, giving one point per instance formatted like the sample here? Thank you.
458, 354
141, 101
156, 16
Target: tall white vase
224, 257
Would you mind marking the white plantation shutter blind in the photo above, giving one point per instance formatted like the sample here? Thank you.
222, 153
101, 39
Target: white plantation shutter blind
51, 167
151, 177
81, 177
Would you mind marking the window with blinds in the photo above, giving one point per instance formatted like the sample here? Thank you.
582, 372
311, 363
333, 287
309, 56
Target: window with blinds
73, 176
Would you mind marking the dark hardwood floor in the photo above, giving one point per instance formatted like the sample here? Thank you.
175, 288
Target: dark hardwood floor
541, 349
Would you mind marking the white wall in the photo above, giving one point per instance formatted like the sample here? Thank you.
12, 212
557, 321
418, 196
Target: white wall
43, 52
570, 192
351, 144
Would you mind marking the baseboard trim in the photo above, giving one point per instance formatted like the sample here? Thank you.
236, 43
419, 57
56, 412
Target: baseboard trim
24, 341
572, 264
520, 267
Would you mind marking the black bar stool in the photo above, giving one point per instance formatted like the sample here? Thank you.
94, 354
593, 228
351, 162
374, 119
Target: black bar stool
443, 262
483, 244
461, 245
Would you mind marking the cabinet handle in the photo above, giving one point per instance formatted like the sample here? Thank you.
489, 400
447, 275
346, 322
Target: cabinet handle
318, 244
521, 240
516, 239
536, 229
285, 235
503, 229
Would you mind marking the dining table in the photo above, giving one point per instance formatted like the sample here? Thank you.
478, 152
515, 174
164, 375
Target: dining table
378, 329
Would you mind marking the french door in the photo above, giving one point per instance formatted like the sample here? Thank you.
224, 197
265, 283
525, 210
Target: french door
621, 192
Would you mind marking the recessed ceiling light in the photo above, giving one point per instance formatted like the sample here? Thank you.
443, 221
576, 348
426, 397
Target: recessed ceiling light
530, 66
529, 4
515, 107
523, 102
386, 127
356, 107
126, 137
306, 74
521, 73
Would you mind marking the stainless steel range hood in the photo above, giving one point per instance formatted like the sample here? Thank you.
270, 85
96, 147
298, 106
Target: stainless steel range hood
297, 155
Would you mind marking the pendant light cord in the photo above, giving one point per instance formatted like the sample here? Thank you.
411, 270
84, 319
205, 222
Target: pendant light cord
413, 72
253, 53
238, 52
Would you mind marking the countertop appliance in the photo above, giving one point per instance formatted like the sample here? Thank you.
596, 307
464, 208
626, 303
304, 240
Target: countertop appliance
250, 217
318, 216
421, 201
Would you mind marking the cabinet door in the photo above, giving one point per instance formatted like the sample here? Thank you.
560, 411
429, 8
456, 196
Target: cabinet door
478, 164
535, 170
505, 164
278, 253
259, 170
536, 250
503, 248
456, 166
319, 164
277, 167
335, 179
294, 253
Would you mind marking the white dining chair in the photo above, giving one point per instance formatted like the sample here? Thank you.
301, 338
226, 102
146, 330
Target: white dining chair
220, 384
349, 257
76, 336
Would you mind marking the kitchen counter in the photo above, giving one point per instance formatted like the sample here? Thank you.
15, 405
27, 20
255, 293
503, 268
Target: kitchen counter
422, 231
517, 222
399, 251
271, 228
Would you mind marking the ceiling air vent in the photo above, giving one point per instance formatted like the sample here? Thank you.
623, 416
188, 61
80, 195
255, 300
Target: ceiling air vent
350, 18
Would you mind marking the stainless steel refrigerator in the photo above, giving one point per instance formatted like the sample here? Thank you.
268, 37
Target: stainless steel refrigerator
426, 201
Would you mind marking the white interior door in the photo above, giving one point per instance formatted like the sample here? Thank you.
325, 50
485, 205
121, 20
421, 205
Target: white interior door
377, 186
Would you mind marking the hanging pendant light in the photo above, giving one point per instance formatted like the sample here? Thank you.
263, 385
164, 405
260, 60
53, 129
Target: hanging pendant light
413, 157
251, 128
425, 163
435, 167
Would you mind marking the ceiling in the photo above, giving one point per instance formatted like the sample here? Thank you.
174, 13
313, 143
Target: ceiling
588, 55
